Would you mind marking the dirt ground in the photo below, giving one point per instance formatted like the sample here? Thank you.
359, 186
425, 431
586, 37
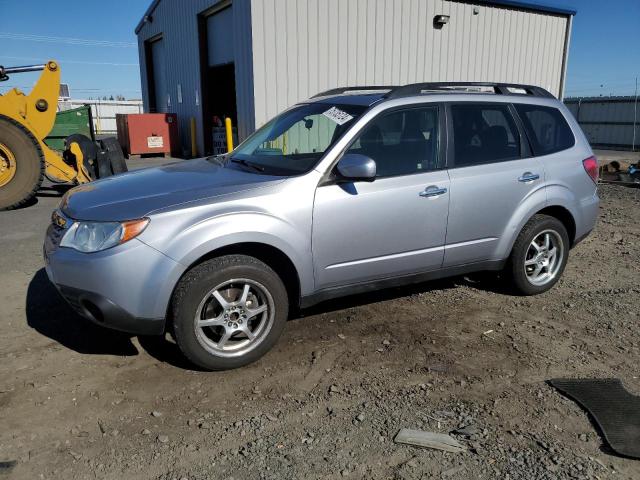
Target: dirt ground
81, 402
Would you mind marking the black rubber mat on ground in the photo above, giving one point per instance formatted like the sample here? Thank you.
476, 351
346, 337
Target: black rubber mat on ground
615, 410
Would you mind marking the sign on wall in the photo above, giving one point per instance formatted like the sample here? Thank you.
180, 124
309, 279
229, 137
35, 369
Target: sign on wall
220, 139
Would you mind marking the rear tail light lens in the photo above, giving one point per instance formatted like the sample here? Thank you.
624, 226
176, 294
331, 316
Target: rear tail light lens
591, 167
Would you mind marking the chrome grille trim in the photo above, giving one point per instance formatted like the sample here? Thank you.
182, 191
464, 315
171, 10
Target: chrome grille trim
60, 223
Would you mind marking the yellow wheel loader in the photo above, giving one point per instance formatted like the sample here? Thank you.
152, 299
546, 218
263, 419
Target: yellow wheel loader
25, 121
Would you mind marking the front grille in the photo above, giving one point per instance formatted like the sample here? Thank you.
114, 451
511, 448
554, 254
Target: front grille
53, 238
55, 235
59, 225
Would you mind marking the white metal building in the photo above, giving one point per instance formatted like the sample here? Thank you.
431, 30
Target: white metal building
250, 59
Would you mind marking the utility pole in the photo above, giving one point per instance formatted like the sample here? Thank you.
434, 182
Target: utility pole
635, 116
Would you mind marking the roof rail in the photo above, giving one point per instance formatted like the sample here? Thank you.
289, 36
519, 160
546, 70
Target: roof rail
364, 88
498, 88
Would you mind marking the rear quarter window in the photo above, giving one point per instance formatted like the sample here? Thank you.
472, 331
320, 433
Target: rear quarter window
546, 128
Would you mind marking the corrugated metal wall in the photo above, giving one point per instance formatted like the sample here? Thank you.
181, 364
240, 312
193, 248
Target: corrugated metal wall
608, 122
301, 47
177, 22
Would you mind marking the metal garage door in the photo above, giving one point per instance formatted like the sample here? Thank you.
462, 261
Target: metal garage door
220, 37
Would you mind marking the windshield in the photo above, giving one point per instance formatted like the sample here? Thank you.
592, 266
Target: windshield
294, 141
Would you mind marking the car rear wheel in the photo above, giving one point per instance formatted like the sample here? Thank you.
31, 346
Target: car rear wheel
229, 311
539, 255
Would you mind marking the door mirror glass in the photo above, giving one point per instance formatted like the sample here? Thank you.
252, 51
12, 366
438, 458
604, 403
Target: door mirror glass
356, 167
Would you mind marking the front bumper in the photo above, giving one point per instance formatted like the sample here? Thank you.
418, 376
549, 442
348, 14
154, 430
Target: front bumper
126, 288
102, 311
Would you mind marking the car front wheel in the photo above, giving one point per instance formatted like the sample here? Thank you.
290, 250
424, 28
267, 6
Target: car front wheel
229, 311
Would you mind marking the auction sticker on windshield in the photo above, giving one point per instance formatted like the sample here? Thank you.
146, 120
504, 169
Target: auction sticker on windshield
337, 115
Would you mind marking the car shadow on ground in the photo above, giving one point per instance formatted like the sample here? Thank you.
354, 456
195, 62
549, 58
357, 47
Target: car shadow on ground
164, 349
51, 316
487, 281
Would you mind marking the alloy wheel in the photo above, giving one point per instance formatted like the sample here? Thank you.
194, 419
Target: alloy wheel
234, 317
543, 258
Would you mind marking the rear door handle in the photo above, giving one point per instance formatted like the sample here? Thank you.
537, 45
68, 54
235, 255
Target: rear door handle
528, 177
432, 191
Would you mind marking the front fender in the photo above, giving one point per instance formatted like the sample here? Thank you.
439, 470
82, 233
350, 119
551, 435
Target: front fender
187, 246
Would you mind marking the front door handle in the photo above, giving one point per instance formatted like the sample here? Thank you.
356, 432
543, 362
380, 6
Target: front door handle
528, 177
432, 191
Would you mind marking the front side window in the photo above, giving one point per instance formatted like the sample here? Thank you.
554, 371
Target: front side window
402, 142
293, 142
546, 127
484, 133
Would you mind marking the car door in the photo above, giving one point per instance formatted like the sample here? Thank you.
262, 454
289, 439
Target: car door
395, 225
492, 172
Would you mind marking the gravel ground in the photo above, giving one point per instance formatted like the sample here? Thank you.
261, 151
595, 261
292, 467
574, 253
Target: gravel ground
77, 401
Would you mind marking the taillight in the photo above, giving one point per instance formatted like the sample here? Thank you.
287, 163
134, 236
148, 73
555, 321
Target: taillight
591, 167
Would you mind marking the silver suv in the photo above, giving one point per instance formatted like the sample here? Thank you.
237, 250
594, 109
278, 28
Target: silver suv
353, 190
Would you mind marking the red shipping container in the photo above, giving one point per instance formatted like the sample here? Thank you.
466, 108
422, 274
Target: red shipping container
141, 133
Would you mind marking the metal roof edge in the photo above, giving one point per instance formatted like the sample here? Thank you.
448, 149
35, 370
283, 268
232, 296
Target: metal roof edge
149, 11
535, 7
603, 99
500, 3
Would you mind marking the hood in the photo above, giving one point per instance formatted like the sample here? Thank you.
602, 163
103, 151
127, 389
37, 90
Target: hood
136, 194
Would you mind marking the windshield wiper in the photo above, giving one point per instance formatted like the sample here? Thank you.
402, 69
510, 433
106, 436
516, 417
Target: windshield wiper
248, 164
219, 159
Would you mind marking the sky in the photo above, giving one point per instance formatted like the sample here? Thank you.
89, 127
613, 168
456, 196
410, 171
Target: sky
604, 52
95, 43
102, 62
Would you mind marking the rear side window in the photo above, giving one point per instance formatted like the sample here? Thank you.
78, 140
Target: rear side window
546, 128
483, 133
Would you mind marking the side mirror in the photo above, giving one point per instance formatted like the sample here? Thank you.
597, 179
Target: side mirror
356, 168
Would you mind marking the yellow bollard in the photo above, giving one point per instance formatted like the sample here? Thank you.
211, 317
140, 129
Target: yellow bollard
227, 125
194, 145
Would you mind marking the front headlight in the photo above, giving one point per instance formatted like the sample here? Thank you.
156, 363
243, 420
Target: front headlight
91, 237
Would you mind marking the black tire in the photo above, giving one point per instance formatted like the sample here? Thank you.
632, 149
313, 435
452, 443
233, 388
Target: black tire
118, 162
29, 164
104, 164
195, 286
515, 268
